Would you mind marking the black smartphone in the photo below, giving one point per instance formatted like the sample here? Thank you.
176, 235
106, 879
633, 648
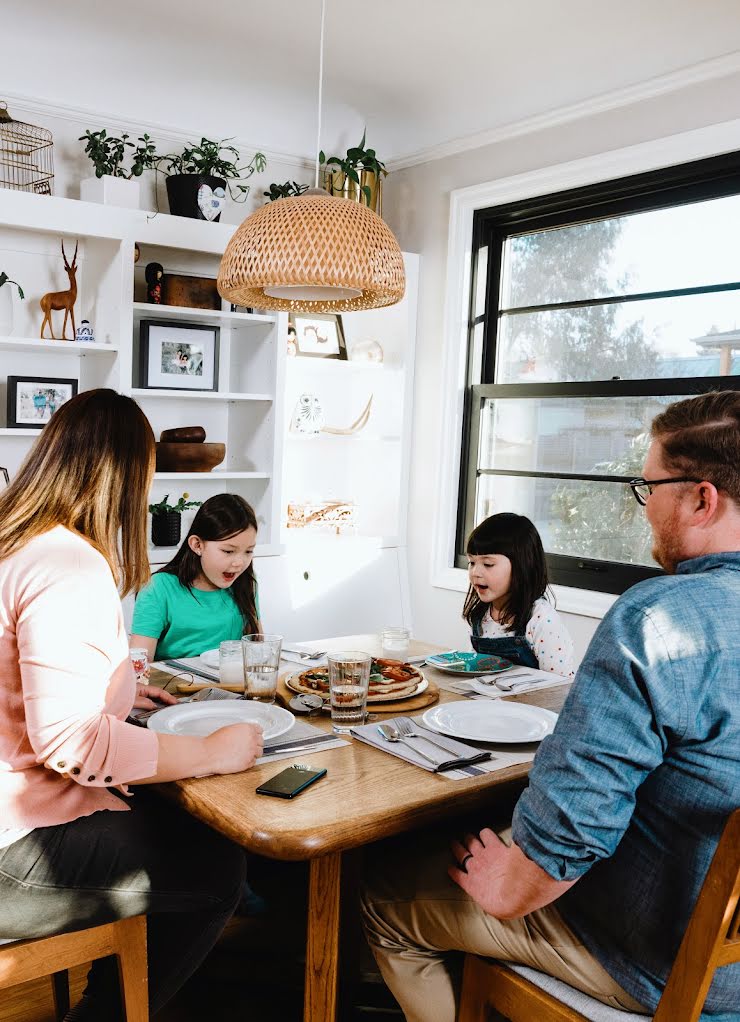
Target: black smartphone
289, 783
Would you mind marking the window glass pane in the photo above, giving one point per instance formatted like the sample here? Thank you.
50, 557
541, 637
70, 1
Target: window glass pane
583, 519
685, 246
695, 335
600, 436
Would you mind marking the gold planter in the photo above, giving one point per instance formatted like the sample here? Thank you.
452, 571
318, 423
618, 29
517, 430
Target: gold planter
336, 182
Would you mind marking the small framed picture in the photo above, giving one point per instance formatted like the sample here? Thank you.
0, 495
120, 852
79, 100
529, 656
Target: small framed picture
32, 400
178, 356
316, 336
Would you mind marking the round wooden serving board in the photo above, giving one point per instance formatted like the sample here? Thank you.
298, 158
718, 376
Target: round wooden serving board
426, 698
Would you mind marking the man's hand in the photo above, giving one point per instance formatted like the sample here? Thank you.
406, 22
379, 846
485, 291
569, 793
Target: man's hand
501, 879
149, 697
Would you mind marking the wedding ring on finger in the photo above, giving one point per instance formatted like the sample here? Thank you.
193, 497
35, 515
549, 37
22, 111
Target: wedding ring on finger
464, 862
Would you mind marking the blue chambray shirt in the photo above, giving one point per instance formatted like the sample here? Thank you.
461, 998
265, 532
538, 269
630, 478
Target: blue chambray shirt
631, 791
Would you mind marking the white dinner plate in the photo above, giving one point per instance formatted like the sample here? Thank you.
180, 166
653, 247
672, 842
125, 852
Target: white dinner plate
206, 717
210, 657
491, 722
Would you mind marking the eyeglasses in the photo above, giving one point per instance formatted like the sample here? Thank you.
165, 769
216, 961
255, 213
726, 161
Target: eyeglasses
642, 488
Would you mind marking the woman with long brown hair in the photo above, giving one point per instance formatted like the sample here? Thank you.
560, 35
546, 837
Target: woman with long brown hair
72, 533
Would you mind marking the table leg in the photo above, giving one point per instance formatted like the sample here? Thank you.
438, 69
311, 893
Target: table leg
322, 951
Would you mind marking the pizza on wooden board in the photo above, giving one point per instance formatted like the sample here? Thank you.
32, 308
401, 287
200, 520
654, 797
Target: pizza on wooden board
389, 680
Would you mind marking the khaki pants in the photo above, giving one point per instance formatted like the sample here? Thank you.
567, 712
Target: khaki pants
415, 916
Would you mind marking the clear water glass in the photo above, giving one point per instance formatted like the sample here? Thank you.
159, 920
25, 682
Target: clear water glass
231, 663
349, 678
261, 666
394, 643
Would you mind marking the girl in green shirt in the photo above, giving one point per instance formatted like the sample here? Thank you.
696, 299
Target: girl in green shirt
208, 592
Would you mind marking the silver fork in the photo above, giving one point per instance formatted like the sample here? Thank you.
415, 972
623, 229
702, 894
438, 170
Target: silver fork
406, 728
306, 654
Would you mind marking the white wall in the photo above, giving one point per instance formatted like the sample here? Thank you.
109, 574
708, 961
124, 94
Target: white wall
417, 205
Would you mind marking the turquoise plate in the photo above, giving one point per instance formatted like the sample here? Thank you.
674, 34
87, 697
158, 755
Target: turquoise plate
471, 664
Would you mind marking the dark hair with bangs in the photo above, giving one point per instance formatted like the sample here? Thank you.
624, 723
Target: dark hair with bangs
515, 537
700, 437
220, 517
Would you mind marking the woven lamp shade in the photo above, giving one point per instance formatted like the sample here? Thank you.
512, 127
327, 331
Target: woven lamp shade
313, 241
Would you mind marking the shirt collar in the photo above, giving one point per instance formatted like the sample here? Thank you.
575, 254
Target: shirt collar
727, 559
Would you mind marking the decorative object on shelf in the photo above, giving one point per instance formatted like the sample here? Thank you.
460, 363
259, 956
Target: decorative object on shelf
85, 333
55, 301
188, 457
4, 478
183, 435
357, 176
167, 519
153, 274
200, 178
6, 303
292, 341
137, 252
178, 356
308, 418
318, 336
26, 155
114, 184
366, 351
285, 190
335, 516
190, 292
32, 400
239, 308
313, 252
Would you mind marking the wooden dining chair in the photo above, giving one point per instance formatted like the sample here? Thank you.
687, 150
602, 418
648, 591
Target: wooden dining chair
25, 960
711, 940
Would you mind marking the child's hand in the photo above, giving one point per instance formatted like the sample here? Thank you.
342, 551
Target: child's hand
149, 697
234, 748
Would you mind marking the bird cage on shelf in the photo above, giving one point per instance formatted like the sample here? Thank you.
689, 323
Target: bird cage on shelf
26, 155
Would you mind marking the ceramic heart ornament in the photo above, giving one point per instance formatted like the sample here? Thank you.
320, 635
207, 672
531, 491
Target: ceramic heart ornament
211, 201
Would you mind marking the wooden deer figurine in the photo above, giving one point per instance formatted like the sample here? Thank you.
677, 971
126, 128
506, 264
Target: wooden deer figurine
56, 300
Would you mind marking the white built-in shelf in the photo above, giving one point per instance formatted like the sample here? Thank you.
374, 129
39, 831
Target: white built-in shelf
199, 395
210, 317
56, 347
19, 432
209, 476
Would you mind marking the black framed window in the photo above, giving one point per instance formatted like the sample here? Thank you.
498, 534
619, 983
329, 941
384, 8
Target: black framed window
591, 310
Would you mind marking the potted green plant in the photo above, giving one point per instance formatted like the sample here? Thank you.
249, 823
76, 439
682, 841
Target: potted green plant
118, 164
283, 191
357, 176
6, 303
167, 519
200, 178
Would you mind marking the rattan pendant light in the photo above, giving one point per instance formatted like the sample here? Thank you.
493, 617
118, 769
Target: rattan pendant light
313, 252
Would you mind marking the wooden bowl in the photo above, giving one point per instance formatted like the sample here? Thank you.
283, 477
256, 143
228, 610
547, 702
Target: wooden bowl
182, 457
183, 435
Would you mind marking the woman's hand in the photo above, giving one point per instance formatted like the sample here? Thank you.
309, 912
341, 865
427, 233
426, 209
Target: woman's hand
234, 748
149, 697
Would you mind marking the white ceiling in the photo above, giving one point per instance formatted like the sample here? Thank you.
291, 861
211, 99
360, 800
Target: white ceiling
418, 73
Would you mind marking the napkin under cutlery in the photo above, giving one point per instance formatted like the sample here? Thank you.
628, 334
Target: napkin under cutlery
460, 753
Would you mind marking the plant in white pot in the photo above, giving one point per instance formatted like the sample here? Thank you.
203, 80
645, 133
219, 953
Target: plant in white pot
200, 178
115, 184
6, 303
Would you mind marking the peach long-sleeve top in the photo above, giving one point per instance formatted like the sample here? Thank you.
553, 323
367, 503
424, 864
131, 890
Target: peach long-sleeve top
66, 686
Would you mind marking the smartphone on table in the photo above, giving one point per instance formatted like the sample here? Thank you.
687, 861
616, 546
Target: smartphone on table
291, 782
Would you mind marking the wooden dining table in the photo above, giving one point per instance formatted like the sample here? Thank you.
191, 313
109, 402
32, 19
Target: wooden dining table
366, 796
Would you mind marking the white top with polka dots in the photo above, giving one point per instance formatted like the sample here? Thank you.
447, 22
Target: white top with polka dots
546, 634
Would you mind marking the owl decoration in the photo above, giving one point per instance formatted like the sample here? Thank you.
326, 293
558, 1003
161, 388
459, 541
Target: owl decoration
308, 415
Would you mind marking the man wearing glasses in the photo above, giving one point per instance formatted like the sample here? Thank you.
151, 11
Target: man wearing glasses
613, 837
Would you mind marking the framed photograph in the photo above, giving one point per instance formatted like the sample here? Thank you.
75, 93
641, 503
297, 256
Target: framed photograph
316, 336
178, 356
32, 400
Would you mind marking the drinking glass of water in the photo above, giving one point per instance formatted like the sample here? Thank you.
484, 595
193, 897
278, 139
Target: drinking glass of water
349, 678
231, 663
261, 664
394, 643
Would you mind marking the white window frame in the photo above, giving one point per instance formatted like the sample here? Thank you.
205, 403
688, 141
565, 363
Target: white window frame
664, 152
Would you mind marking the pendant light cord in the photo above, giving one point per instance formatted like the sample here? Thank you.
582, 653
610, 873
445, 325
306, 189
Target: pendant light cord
321, 84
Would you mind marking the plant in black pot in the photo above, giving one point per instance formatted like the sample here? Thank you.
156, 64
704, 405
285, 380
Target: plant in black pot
200, 178
167, 519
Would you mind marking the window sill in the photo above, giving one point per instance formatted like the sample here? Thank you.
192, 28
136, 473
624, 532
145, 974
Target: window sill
584, 602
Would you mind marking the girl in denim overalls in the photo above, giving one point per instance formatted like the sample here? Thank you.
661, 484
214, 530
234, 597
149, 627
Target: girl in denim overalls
506, 606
